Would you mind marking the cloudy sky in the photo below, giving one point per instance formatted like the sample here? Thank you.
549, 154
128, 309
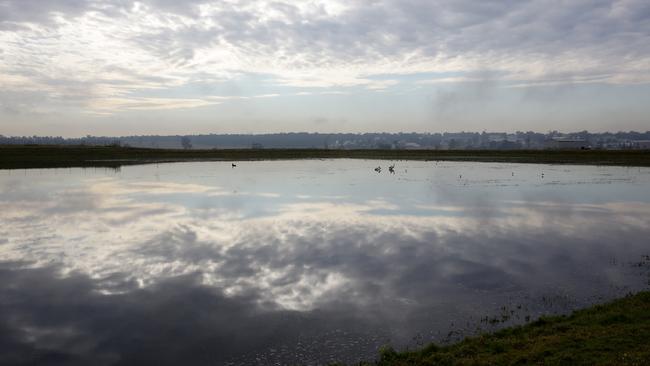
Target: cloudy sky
117, 67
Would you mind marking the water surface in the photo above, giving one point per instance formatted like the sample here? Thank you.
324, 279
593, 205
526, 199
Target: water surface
304, 262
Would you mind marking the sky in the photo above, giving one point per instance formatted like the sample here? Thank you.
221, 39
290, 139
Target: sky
123, 67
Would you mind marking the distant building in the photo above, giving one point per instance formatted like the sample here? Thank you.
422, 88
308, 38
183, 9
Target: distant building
497, 137
567, 144
411, 146
642, 144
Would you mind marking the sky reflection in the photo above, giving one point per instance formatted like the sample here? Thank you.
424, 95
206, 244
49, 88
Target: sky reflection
271, 261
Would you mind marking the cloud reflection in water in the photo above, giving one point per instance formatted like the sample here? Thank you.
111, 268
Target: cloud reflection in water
108, 270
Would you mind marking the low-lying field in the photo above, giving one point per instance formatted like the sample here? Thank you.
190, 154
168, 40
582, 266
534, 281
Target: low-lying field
32, 156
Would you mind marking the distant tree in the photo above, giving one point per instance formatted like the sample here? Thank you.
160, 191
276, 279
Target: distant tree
186, 142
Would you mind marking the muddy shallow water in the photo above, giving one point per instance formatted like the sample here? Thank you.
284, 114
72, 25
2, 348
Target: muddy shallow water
304, 262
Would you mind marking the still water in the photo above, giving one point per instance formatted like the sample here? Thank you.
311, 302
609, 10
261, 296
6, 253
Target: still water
304, 262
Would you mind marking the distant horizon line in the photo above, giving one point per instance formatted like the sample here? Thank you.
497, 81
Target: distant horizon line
325, 133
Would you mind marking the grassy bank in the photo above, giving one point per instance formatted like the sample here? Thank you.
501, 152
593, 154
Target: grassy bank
617, 333
19, 157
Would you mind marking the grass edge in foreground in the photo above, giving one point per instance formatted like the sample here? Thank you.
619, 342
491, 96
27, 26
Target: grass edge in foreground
52, 156
616, 333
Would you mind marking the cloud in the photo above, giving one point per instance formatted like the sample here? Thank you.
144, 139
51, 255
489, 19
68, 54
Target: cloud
111, 55
17, 13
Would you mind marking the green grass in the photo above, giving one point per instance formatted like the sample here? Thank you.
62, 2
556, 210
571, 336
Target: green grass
35, 156
617, 333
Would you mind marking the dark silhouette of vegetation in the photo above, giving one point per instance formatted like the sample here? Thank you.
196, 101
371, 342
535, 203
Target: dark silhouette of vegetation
186, 142
37, 156
404, 140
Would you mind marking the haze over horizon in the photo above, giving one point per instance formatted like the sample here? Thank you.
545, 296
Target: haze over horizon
123, 67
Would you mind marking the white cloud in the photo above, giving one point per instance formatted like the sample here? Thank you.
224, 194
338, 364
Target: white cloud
114, 55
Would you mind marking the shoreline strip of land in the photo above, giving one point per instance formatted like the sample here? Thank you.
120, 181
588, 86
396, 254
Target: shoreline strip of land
616, 333
65, 156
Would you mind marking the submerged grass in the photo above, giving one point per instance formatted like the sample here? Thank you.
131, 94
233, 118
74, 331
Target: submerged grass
48, 156
617, 333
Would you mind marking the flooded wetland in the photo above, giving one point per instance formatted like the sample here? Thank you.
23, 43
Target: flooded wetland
304, 262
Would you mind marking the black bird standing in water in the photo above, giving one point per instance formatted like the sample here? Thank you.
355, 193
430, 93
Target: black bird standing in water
234, 165
391, 169
378, 169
